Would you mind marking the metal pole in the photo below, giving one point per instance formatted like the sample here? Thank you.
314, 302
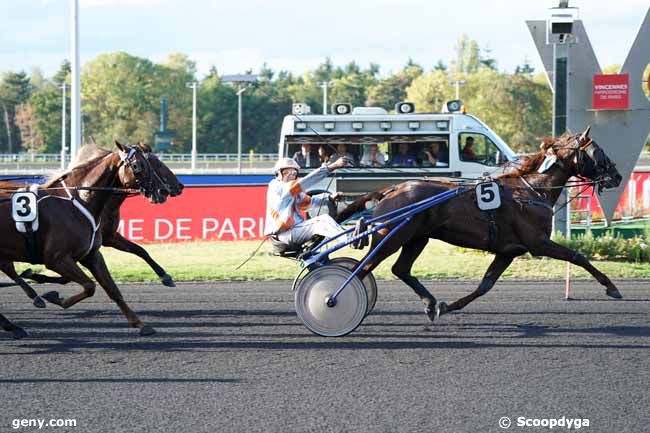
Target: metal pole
194, 87
560, 115
239, 93
325, 85
63, 128
457, 89
75, 100
567, 285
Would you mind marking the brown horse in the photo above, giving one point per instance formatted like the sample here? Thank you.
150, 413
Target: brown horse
522, 223
111, 218
69, 208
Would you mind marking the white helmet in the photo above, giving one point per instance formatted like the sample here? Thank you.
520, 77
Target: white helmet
284, 163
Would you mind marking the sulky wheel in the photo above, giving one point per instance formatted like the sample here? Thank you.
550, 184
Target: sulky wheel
316, 288
368, 281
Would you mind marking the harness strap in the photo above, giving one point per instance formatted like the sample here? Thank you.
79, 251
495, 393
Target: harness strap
522, 203
85, 212
493, 230
540, 196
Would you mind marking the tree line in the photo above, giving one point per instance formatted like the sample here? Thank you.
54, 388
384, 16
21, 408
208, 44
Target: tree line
121, 96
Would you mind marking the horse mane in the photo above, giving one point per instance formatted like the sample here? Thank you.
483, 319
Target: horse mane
88, 156
531, 163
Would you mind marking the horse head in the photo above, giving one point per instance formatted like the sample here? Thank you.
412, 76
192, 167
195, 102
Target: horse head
592, 162
168, 178
137, 172
587, 160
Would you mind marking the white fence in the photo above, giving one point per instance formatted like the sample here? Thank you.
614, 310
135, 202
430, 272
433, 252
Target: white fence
9, 158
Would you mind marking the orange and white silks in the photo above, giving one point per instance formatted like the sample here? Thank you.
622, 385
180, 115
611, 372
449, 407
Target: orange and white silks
286, 200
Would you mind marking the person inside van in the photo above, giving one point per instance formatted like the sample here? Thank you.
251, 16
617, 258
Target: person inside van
468, 151
437, 154
305, 158
342, 153
323, 156
404, 158
372, 157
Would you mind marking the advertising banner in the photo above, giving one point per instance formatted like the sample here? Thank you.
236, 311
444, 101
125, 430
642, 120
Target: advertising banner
219, 213
232, 213
611, 92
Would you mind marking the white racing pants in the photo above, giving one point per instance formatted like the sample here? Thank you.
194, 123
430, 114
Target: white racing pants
323, 225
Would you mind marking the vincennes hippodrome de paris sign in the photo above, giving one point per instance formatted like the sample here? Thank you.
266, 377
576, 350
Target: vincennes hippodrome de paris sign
611, 92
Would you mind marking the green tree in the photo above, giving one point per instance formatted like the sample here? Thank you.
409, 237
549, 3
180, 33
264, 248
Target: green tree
515, 106
352, 86
391, 90
170, 83
612, 69
63, 74
467, 56
440, 66
47, 106
120, 98
429, 91
15, 89
217, 113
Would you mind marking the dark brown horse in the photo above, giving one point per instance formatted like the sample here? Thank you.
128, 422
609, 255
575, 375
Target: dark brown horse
69, 209
522, 223
111, 218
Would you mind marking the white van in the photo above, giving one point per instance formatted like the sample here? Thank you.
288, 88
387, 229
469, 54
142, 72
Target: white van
403, 140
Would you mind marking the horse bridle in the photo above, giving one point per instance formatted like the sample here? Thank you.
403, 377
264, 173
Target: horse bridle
127, 158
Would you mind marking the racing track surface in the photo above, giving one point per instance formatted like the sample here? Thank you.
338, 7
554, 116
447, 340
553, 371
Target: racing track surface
233, 357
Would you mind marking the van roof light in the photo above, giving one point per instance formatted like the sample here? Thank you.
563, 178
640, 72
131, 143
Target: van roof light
300, 108
452, 106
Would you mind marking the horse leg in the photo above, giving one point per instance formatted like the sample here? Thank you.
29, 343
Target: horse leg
119, 242
494, 271
402, 269
9, 269
69, 269
42, 279
15, 330
96, 265
556, 251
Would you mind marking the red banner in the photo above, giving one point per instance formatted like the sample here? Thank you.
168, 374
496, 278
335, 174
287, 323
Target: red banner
634, 202
237, 212
611, 92
213, 213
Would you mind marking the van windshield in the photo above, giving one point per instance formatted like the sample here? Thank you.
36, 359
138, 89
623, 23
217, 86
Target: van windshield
474, 147
426, 151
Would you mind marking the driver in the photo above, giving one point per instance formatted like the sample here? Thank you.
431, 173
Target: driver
286, 196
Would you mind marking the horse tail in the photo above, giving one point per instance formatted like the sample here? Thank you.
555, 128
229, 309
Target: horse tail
359, 205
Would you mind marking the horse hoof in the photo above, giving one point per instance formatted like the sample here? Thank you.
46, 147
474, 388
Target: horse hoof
430, 311
52, 297
147, 330
441, 309
38, 302
614, 293
27, 273
168, 281
19, 333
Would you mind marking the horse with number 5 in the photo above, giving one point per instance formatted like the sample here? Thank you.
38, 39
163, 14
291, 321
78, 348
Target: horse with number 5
520, 224
69, 207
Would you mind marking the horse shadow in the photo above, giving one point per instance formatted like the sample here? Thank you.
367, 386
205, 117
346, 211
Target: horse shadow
285, 332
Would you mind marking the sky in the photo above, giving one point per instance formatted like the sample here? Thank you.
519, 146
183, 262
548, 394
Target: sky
297, 36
